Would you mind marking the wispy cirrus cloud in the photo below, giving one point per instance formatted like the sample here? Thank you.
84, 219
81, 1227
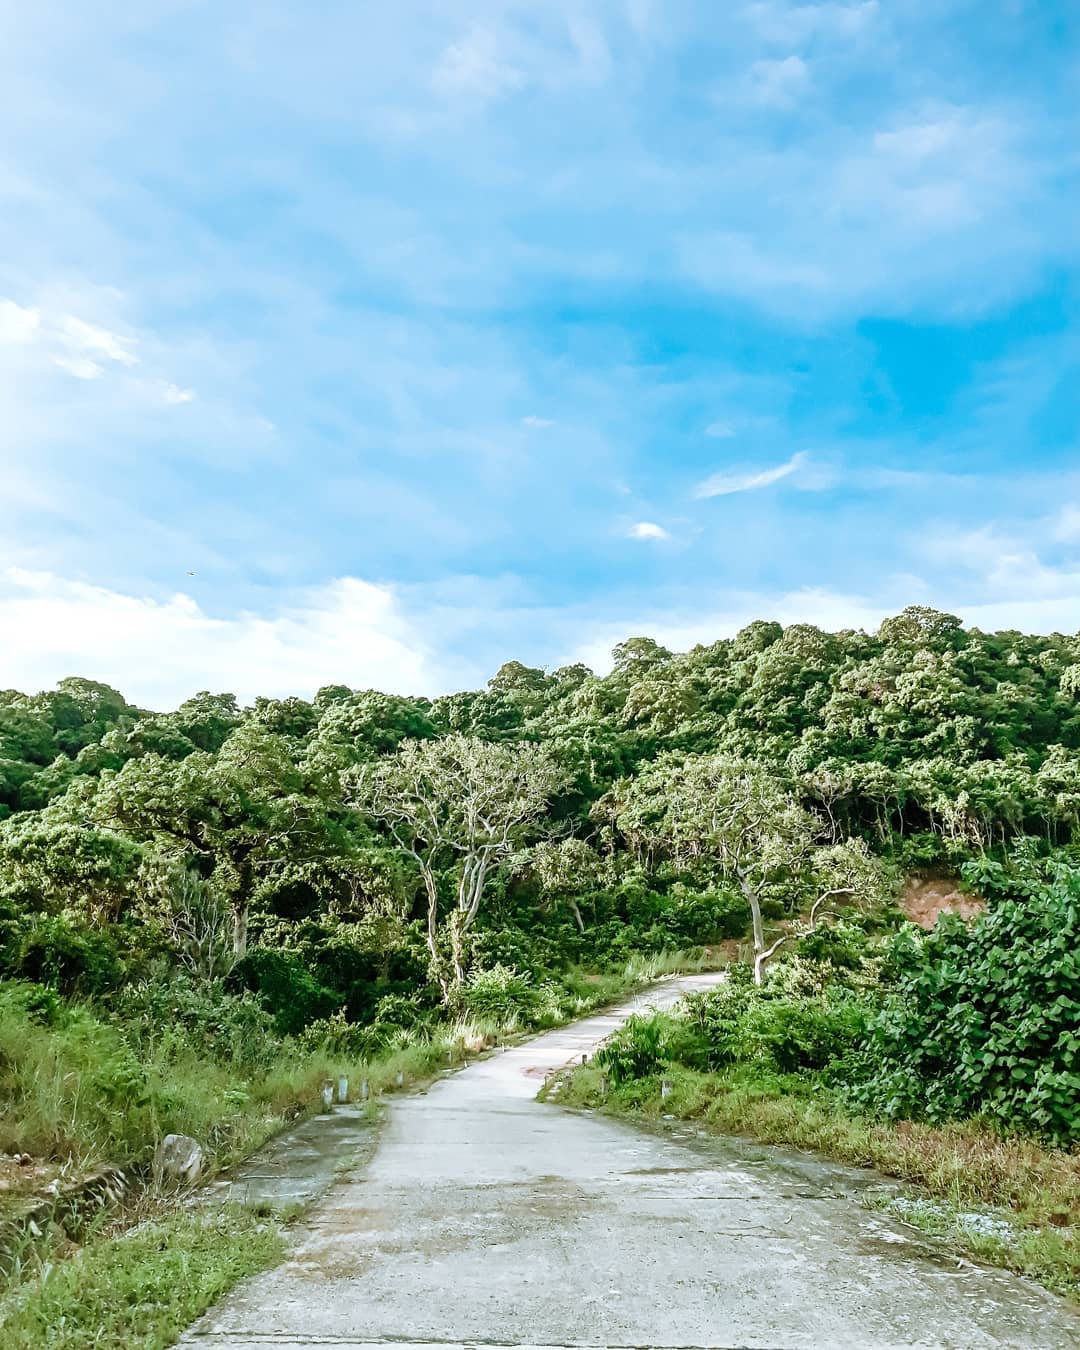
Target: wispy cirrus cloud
475, 67
720, 430
782, 22
44, 338
724, 484
779, 83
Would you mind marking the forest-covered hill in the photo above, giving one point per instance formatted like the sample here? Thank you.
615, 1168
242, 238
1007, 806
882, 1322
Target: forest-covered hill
366, 860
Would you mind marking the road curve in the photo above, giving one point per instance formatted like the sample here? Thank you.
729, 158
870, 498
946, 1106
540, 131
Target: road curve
488, 1219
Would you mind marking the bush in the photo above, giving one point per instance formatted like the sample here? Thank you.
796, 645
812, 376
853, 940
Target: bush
52, 951
500, 993
180, 1013
396, 1014
286, 988
985, 1017
637, 1050
790, 1024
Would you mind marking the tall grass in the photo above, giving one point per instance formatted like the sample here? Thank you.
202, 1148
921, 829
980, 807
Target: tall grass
74, 1090
138, 1290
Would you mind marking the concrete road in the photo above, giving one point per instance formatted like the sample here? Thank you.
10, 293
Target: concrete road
487, 1219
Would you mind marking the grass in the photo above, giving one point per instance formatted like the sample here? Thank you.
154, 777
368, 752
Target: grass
138, 1290
76, 1092
964, 1167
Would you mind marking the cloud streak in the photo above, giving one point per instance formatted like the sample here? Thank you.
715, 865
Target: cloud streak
724, 484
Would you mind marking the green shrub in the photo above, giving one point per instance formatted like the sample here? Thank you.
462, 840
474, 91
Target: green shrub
52, 951
790, 1024
500, 993
399, 1012
637, 1050
985, 1017
286, 988
180, 1014
338, 1037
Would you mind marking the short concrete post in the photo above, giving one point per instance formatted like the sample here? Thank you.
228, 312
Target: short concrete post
342, 1089
328, 1094
603, 1085
365, 1091
401, 1077
665, 1089
449, 1054
584, 1059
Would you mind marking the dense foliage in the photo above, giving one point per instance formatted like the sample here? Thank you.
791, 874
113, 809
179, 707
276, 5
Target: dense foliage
977, 1018
372, 861
984, 1018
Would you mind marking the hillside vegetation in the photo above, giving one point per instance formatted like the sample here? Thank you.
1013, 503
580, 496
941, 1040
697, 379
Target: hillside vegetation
203, 911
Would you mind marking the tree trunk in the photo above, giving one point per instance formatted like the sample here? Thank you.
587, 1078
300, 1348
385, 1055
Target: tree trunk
240, 930
751, 897
431, 889
457, 926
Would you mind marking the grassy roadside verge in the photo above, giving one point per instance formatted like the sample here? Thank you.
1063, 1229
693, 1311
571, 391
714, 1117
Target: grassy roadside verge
1004, 1200
137, 1290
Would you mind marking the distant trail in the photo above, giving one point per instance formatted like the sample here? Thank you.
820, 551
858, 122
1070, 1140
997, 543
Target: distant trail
486, 1218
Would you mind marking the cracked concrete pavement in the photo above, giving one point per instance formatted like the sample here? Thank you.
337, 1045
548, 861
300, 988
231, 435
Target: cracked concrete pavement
486, 1218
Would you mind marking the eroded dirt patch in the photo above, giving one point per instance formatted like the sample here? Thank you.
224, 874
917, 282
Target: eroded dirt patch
925, 899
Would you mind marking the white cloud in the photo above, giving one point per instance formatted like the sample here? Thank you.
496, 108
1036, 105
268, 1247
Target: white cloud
64, 341
18, 325
935, 200
780, 83
159, 652
723, 484
720, 431
1066, 526
81, 336
753, 266
681, 629
473, 67
173, 394
538, 422
592, 50
786, 23
79, 366
1006, 566
647, 529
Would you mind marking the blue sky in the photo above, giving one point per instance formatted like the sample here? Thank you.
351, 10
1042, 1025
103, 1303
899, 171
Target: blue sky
383, 343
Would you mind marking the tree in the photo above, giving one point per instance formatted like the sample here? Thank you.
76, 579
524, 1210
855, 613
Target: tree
639, 654
742, 818
456, 803
237, 816
563, 870
513, 675
842, 876
49, 864
192, 914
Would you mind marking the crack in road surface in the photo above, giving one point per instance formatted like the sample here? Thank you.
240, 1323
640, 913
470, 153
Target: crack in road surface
485, 1219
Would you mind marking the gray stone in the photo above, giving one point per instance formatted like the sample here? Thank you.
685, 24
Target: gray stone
179, 1158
